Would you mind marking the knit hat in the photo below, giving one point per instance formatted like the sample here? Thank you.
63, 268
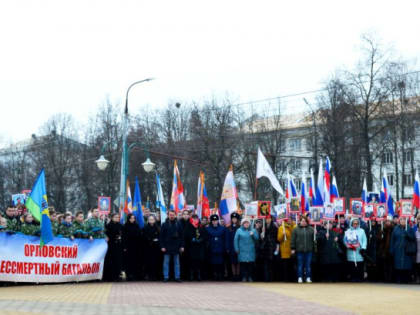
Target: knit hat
245, 220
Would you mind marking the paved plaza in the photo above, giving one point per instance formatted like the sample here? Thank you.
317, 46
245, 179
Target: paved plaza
209, 298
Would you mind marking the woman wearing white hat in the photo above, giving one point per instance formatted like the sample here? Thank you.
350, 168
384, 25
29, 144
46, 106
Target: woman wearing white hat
245, 243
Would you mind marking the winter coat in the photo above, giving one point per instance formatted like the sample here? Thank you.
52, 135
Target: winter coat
285, 242
245, 244
399, 239
171, 237
196, 241
132, 244
355, 236
418, 246
328, 248
374, 237
231, 231
218, 243
385, 242
30, 229
303, 239
113, 257
268, 242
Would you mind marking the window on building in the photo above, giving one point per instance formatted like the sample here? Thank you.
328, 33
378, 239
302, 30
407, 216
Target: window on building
387, 158
391, 179
408, 155
298, 183
295, 144
408, 180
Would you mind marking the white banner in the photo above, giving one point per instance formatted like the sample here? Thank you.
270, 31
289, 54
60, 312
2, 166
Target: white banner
62, 260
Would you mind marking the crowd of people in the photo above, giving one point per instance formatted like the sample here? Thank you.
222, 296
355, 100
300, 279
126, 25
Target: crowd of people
185, 248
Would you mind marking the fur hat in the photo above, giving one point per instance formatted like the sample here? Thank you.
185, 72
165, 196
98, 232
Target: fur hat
214, 217
235, 215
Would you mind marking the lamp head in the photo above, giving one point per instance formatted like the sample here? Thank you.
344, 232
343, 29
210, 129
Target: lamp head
102, 163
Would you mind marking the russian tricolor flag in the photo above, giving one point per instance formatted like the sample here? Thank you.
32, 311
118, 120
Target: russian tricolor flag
177, 197
304, 204
311, 186
416, 192
327, 181
386, 195
291, 188
364, 192
334, 190
319, 190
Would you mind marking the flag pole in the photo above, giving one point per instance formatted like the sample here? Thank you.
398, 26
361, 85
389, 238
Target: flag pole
255, 189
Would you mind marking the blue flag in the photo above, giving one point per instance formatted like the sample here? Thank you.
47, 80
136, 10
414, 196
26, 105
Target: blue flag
37, 205
137, 208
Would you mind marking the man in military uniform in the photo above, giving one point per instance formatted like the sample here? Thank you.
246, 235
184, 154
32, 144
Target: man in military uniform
66, 227
94, 226
54, 221
29, 227
79, 226
13, 221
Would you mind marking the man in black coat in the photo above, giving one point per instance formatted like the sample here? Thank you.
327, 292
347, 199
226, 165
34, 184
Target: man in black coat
172, 244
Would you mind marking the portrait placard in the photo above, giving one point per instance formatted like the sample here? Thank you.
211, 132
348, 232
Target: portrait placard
294, 205
315, 213
328, 212
264, 209
370, 211
104, 205
251, 209
406, 208
339, 206
356, 207
381, 211
281, 211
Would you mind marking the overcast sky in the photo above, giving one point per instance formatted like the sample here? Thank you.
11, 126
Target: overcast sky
69, 56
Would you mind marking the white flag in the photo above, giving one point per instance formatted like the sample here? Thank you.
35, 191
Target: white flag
264, 169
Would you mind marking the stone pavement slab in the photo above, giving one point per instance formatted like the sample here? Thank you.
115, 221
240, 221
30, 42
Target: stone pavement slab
209, 298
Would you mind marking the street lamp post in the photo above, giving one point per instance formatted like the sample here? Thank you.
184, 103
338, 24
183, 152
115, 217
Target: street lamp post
148, 166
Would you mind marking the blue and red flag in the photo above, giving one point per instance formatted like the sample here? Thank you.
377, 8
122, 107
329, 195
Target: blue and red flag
128, 206
311, 190
319, 190
364, 192
177, 197
137, 206
416, 192
327, 181
386, 195
203, 206
228, 202
290, 188
304, 202
334, 190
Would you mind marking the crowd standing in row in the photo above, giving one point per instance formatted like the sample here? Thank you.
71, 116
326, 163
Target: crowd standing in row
187, 248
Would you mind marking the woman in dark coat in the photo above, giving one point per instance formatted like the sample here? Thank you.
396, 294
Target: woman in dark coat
268, 245
195, 239
329, 250
235, 219
132, 247
384, 257
113, 258
153, 256
403, 263
374, 237
217, 246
